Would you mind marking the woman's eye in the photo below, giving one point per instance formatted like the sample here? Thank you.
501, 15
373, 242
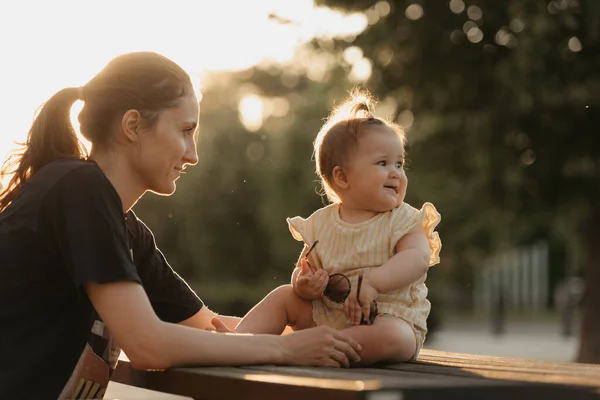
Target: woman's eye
189, 131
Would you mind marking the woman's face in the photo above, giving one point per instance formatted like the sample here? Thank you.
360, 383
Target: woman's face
168, 147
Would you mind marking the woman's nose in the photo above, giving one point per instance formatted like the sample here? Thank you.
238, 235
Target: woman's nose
191, 156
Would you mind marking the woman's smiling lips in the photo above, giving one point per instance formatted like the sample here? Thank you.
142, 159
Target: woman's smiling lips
180, 171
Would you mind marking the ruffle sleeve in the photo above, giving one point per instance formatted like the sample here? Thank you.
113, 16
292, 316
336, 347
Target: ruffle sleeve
303, 229
407, 217
297, 227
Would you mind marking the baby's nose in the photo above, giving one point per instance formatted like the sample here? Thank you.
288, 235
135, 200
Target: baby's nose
395, 173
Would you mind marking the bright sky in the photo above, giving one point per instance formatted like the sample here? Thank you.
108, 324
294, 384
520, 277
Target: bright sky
48, 45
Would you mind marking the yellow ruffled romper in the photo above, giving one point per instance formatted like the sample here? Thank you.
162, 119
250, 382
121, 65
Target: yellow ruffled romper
351, 248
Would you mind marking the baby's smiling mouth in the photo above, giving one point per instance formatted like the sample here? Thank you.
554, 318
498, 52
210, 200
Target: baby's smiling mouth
394, 188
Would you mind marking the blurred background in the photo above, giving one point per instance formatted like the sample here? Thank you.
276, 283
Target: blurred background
499, 100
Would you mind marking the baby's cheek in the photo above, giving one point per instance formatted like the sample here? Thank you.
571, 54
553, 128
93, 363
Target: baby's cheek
403, 186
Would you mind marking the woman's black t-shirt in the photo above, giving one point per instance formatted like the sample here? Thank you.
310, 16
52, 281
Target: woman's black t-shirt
64, 229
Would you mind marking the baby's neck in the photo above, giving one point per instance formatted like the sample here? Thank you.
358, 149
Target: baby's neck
355, 215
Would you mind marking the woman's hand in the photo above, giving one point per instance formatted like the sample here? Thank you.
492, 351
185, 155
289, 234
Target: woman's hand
321, 346
310, 284
357, 308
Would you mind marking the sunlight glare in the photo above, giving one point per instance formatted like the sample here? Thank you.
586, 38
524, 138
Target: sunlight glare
361, 70
352, 54
251, 112
64, 43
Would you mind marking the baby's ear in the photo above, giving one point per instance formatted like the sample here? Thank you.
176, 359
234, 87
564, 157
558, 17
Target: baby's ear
339, 177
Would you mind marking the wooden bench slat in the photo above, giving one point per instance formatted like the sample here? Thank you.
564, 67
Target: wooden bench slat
224, 383
384, 378
454, 364
435, 375
459, 359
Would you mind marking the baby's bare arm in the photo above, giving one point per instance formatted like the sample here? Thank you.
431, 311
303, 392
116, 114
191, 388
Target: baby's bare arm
410, 263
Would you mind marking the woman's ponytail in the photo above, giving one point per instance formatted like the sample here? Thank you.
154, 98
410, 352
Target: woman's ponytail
50, 138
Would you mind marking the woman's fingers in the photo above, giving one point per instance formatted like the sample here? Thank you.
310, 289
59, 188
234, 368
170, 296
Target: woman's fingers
350, 347
320, 346
339, 359
345, 350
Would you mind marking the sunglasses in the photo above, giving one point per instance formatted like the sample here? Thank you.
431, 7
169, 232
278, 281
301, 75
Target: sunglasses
338, 289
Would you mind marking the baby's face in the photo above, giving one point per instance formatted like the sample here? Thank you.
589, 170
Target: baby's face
375, 173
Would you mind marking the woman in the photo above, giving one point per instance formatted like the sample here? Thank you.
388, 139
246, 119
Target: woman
80, 273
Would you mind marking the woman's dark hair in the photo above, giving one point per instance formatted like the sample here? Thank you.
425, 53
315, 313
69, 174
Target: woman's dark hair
143, 81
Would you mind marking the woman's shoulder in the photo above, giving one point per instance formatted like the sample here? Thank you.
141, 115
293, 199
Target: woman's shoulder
58, 179
68, 170
74, 181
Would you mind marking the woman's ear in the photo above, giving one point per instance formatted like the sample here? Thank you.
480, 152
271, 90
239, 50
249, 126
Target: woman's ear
131, 124
340, 178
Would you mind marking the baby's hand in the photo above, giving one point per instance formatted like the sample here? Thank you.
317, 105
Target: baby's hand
310, 284
356, 309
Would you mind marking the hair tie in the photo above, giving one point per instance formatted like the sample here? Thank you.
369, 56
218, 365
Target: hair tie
80, 93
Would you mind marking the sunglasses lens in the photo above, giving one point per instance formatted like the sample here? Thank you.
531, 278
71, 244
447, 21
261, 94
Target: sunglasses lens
338, 288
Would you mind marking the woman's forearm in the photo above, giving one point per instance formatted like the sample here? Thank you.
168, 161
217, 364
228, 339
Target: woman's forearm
154, 344
177, 345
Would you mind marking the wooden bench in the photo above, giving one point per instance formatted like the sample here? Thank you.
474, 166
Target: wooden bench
435, 375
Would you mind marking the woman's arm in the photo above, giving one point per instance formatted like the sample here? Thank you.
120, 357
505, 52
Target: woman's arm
153, 344
410, 263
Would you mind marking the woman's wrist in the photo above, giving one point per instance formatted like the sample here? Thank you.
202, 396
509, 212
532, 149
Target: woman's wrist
278, 354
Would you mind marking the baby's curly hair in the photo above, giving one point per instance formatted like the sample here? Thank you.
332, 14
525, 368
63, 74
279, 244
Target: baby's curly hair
340, 134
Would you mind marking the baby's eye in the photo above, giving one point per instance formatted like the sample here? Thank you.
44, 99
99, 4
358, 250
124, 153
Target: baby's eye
382, 163
399, 164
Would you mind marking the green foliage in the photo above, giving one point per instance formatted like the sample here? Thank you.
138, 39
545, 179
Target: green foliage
504, 143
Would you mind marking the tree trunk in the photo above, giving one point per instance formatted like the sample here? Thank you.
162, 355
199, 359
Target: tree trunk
589, 347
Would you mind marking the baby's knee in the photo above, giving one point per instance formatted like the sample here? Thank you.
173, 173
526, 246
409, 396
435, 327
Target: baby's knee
286, 294
283, 292
401, 342
402, 349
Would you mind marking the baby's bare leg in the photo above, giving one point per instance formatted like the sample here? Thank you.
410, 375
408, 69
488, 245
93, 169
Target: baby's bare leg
280, 308
389, 339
